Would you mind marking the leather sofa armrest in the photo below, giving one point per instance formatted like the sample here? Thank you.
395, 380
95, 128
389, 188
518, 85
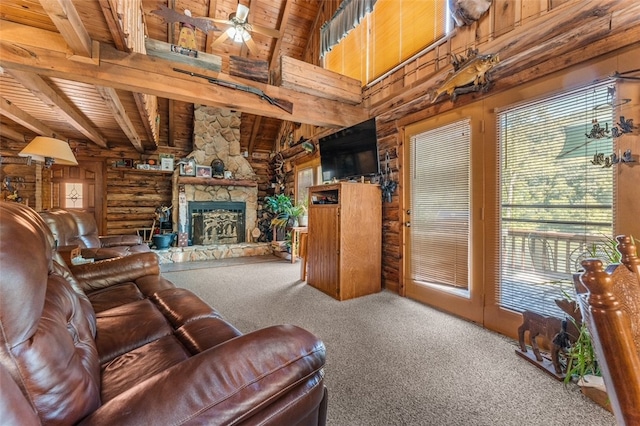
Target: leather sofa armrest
226, 384
120, 240
105, 273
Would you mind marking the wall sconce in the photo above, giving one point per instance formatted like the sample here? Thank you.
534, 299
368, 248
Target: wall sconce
49, 151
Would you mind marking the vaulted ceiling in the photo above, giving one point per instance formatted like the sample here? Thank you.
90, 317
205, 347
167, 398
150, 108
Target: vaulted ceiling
34, 103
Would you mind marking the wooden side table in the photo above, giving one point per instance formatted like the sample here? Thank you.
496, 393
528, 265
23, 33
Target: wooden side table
295, 233
69, 252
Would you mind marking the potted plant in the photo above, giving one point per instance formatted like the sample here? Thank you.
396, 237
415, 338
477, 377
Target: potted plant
303, 220
281, 206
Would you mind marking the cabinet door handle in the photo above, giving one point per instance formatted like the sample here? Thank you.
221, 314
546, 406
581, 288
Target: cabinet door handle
407, 224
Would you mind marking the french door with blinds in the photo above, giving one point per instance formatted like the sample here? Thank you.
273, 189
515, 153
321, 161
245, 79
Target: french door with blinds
556, 194
504, 197
438, 237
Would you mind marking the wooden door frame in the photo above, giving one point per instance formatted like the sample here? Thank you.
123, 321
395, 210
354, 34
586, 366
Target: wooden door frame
100, 197
471, 308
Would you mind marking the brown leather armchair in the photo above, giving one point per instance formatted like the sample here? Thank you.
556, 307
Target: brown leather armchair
74, 227
114, 342
610, 304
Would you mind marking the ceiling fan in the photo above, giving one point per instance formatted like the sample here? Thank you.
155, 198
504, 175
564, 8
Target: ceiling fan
239, 29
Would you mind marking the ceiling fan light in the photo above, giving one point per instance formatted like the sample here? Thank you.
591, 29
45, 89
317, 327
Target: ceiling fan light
245, 35
231, 32
242, 13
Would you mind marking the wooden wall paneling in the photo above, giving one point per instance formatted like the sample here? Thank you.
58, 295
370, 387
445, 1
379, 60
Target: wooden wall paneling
504, 16
532, 9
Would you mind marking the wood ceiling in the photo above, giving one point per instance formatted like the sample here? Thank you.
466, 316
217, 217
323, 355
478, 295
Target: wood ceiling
32, 103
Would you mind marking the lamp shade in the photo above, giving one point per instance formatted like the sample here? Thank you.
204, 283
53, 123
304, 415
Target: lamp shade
42, 147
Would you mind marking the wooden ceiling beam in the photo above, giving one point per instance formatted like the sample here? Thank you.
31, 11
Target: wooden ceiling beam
117, 34
140, 73
111, 98
14, 113
67, 20
47, 94
254, 134
210, 38
11, 134
275, 53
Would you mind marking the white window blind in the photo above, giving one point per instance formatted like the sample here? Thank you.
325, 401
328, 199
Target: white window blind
440, 202
555, 204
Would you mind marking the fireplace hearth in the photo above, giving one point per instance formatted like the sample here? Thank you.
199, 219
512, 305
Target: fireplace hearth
216, 222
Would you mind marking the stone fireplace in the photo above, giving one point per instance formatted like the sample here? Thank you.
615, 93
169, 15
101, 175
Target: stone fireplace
221, 228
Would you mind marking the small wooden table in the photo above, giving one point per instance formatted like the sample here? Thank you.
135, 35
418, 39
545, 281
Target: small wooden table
69, 252
295, 232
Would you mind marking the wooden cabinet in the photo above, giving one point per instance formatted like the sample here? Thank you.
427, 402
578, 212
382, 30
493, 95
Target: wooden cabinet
344, 247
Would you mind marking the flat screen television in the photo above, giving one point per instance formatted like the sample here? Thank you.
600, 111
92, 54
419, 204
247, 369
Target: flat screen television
350, 152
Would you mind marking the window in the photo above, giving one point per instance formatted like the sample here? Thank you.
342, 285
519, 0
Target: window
394, 31
440, 203
307, 174
73, 198
555, 204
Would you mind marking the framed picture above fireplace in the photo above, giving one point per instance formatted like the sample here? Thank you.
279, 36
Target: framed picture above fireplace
187, 167
203, 171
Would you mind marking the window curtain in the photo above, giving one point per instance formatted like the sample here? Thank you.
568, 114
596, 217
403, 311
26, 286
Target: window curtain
347, 17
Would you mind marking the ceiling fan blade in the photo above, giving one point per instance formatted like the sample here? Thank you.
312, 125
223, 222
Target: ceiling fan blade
251, 45
270, 32
217, 42
218, 21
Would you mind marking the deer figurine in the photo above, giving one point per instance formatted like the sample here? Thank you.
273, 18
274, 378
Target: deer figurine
560, 333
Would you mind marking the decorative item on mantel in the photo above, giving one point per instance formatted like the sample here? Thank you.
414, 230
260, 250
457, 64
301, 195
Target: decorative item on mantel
187, 167
217, 168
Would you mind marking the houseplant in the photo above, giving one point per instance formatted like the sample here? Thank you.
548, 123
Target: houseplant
303, 220
282, 208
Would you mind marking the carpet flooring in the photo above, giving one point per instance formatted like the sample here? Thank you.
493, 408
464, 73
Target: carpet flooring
391, 360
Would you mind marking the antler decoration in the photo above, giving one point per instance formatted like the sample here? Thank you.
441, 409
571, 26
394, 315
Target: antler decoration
170, 15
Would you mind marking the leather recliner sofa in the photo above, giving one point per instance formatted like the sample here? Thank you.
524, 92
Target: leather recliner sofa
75, 227
113, 342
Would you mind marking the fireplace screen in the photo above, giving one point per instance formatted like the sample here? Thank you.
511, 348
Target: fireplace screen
216, 222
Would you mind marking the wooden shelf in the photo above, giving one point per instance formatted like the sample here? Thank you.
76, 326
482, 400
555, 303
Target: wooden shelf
131, 170
194, 180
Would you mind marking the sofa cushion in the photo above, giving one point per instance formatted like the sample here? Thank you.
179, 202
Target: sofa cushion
206, 333
114, 296
180, 306
127, 370
127, 327
87, 228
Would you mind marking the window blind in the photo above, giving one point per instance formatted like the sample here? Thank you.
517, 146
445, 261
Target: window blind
556, 206
394, 31
440, 203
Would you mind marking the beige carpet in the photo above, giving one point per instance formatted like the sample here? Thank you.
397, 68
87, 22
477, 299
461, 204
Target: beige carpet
390, 360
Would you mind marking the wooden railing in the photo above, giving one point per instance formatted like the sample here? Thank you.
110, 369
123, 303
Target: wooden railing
556, 252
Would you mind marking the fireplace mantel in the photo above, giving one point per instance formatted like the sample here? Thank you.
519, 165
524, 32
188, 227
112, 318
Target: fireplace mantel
190, 180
